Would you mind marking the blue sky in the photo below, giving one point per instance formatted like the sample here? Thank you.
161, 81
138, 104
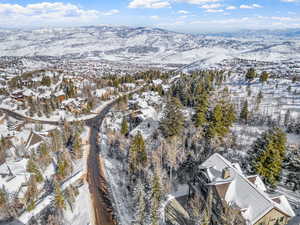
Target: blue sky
193, 16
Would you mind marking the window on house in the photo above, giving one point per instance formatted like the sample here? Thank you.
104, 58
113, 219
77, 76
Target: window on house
281, 219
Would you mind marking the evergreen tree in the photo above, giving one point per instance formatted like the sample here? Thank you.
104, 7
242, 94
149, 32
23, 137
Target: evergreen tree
267, 155
31, 193
3, 197
137, 154
264, 76
229, 115
251, 74
294, 80
287, 117
200, 118
140, 203
244, 115
59, 199
124, 127
155, 200
77, 144
221, 119
46, 81
45, 158
172, 122
33, 168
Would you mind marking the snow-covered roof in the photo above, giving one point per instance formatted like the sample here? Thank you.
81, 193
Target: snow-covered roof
242, 192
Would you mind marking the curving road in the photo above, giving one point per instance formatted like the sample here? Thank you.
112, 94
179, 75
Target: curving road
19, 116
98, 187
103, 211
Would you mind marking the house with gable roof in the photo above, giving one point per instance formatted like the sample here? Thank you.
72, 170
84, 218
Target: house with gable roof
248, 195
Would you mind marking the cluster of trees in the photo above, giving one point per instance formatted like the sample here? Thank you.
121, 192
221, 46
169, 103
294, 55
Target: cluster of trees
147, 197
26, 79
173, 121
293, 127
69, 88
40, 107
112, 80
252, 74
4, 145
267, 155
66, 146
46, 81
220, 120
292, 164
9, 205
137, 154
181, 142
188, 88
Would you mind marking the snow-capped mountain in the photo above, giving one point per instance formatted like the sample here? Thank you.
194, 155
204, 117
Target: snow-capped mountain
148, 45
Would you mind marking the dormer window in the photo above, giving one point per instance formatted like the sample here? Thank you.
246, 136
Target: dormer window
226, 173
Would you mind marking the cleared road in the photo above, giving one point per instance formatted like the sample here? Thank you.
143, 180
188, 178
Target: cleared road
103, 212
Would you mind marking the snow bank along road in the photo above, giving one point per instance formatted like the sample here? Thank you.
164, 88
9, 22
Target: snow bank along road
98, 186
95, 175
103, 211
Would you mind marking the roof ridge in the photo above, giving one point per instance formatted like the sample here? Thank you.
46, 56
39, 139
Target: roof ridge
272, 205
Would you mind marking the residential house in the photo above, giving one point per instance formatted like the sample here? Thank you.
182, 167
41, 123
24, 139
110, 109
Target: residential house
246, 194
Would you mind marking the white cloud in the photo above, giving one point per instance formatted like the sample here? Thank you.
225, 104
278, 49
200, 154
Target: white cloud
289, 1
183, 12
154, 4
197, 2
111, 12
231, 7
214, 10
46, 9
211, 6
154, 17
253, 6
48, 13
281, 18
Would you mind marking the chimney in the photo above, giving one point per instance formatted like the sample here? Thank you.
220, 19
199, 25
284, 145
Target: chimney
226, 173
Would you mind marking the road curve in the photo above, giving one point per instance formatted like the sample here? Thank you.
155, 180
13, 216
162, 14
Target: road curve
98, 187
103, 211
19, 116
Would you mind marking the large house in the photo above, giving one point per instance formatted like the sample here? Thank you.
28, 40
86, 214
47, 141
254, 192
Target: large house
246, 194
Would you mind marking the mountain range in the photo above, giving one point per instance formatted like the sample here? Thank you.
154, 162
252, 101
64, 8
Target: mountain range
150, 45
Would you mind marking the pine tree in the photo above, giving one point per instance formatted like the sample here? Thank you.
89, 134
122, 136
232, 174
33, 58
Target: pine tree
251, 74
221, 119
77, 144
124, 127
244, 115
155, 199
264, 77
3, 197
59, 199
45, 158
172, 122
267, 155
137, 154
140, 203
46, 81
287, 117
201, 111
31, 193
33, 168
229, 115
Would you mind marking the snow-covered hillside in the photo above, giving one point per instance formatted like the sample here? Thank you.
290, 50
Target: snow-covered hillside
145, 45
